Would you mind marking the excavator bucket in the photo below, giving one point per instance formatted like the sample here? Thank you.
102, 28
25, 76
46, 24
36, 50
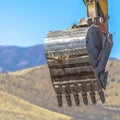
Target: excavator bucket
76, 59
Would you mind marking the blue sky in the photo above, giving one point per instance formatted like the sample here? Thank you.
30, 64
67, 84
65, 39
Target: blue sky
26, 22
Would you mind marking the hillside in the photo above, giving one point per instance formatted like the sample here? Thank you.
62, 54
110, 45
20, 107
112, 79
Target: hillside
34, 85
113, 88
12, 108
14, 58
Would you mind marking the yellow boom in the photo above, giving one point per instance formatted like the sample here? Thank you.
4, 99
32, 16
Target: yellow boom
98, 8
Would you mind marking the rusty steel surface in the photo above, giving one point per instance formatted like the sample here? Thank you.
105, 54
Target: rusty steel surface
76, 60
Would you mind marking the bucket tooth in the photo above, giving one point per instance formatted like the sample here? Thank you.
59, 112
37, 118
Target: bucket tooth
66, 91
68, 99
75, 94
92, 95
76, 98
102, 96
59, 99
84, 93
100, 92
84, 96
59, 94
79, 87
91, 92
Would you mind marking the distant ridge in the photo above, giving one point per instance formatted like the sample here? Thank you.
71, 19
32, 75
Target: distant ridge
14, 58
2, 70
112, 58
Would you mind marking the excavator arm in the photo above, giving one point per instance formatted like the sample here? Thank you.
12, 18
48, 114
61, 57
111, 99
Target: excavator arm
77, 57
99, 9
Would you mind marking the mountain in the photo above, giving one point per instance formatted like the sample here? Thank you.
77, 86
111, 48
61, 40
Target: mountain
2, 70
14, 58
34, 85
113, 58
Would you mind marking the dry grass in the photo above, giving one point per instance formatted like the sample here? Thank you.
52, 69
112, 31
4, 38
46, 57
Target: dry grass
113, 88
12, 108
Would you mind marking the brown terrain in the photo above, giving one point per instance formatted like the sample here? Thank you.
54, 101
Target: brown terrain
29, 92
